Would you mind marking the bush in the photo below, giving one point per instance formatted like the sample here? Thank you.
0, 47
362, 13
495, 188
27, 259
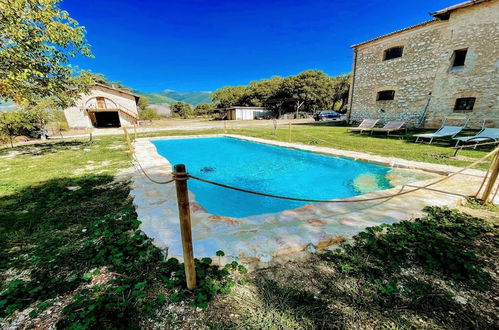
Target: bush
181, 109
148, 114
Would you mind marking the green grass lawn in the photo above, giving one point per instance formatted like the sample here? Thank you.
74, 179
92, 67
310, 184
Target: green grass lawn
400, 146
69, 245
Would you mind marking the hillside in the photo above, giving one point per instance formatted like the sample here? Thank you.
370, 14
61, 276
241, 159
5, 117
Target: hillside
170, 96
193, 98
156, 98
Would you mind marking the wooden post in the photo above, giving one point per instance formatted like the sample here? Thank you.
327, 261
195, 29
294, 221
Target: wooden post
125, 133
180, 176
493, 177
127, 138
289, 131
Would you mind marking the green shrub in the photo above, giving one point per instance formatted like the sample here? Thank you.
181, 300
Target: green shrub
148, 114
442, 243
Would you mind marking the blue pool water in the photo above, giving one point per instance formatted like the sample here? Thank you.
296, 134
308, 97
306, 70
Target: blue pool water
266, 168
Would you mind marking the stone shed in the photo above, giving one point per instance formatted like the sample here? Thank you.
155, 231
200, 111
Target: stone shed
103, 107
440, 68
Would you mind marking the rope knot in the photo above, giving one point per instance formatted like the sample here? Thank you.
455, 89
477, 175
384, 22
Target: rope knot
180, 176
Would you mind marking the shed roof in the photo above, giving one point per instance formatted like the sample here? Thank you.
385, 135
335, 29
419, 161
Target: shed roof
118, 90
247, 108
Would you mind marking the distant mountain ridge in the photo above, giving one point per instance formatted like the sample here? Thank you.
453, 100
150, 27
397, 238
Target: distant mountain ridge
169, 96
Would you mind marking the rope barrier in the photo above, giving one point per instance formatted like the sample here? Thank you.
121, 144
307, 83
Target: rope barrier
483, 182
495, 194
345, 200
460, 148
150, 178
135, 161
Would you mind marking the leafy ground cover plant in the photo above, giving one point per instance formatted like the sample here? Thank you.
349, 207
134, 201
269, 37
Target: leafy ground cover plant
381, 253
79, 237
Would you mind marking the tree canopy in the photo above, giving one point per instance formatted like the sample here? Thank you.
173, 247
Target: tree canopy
181, 109
227, 96
26, 120
37, 41
309, 91
203, 109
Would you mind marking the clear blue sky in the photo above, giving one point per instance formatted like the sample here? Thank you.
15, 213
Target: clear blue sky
201, 45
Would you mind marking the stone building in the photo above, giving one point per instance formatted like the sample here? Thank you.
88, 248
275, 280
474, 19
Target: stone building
425, 73
102, 107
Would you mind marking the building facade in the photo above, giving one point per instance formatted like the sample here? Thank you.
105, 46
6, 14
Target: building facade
443, 68
103, 107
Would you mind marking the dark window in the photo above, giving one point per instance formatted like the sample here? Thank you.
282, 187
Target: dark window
459, 57
386, 95
393, 52
465, 103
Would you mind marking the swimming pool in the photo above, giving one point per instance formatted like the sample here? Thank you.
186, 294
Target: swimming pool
266, 168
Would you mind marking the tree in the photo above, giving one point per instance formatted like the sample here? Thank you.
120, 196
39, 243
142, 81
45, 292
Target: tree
148, 114
261, 91
21, 122
309, 91
228, 96
312, 90
181, 109
37, 41
341, 87
30, 119
143, 103
10, 123
145, 111
204, 109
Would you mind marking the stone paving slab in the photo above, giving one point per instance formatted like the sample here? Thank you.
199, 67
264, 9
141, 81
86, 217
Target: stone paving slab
268, 237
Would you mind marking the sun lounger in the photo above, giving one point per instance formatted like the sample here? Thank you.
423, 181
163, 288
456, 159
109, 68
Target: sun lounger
486, 134
443, 132
390, 127
366, 126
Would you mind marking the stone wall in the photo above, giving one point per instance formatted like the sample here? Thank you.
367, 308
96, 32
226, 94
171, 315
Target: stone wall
425, 67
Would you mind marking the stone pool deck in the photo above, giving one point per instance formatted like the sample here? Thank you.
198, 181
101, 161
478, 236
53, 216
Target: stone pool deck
260, 239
